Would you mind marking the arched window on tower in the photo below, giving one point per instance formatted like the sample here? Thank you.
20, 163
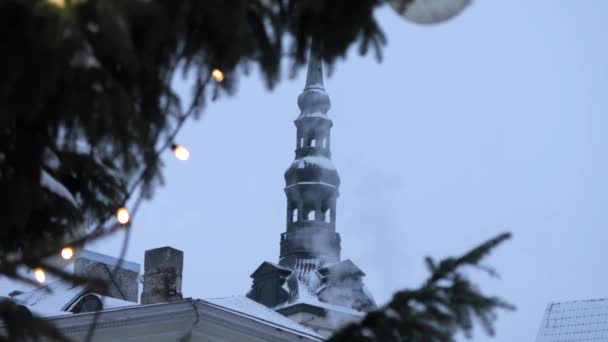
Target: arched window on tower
294, 215
310, 216
324, 143
301, 142
313, 143
328, 215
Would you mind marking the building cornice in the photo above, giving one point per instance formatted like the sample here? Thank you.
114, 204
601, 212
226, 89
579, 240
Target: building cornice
182, 317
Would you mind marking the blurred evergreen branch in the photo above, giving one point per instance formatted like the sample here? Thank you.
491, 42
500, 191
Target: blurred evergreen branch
87, 104
447, 303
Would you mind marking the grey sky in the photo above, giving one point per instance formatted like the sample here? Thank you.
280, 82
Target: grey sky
494, 121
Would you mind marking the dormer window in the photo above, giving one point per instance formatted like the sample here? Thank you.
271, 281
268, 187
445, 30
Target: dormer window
88, 303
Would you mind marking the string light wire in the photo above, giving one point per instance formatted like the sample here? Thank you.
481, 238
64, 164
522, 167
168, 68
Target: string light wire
101, 230
134, 186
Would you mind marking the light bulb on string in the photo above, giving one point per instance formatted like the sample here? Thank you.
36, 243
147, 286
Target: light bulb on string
39, 275
122, 215
180, 152
429, 11
67, 253
58, 3
218, 75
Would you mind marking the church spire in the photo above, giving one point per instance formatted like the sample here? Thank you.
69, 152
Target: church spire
312, 181
314, 77
310, 270
314, 99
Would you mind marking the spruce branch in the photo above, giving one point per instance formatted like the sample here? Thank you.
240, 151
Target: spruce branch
445, 304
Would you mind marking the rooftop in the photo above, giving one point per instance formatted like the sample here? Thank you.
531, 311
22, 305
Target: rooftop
577, 321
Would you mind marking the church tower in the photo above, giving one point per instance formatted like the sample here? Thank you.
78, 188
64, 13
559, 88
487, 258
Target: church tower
312, 181
311, 284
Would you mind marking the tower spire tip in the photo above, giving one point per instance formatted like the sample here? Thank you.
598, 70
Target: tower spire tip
314, 77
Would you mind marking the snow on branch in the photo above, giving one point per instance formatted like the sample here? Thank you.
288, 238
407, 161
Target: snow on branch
53, 185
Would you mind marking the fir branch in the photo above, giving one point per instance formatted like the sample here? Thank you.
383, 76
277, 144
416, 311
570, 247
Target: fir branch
445, 304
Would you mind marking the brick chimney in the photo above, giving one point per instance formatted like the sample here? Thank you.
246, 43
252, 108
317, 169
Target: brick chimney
162, 275
122, 282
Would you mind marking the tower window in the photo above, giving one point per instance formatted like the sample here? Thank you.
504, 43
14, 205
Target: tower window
310, 216
328, 215
294, 215
324, 143
313, 143
301, 142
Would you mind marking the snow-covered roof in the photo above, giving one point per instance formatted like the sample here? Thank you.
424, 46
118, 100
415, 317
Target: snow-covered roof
253, 310
107, 302
327, 306
341, 267
59, 297
270, 265
577, 321
229, 319
309, 284
50, 300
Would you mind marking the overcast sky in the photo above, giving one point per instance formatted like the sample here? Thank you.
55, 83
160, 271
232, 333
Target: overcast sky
495, 121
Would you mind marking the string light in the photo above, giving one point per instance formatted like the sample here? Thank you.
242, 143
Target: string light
218, 75
58, 3
122, 215
180, 152
67, 253
39, 275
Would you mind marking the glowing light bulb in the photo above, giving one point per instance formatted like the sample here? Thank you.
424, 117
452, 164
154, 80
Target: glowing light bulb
180, 152
58, 3
39, 275
67, 253
122, 215
218, 75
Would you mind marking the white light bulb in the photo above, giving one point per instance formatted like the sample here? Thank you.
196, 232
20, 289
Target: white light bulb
122, 215
39, 275
181, 152
67, 253
58, 3
218, 75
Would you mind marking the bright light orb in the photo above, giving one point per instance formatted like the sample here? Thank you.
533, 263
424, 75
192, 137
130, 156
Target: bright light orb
39, 275
67, 253
218, 75
58, 3
123, 216
181, 152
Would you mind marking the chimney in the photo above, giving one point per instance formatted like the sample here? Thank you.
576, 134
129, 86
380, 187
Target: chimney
122, 282
162, 275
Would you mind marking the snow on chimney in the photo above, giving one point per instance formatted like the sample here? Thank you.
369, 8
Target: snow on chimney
162, 275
